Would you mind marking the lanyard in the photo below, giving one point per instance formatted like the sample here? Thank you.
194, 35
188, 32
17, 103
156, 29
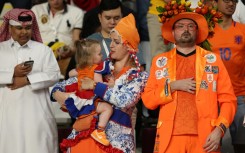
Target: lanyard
105, 47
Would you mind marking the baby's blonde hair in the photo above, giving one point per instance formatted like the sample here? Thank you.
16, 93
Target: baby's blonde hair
85, 50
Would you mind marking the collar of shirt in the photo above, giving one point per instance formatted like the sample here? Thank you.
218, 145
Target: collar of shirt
14, 43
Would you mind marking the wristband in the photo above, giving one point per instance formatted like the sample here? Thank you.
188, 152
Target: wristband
222, 127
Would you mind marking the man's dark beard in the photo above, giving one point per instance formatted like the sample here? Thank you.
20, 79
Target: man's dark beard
184, 35
185, 42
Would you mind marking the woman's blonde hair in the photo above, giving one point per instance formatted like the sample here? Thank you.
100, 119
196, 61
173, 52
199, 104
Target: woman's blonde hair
84, 52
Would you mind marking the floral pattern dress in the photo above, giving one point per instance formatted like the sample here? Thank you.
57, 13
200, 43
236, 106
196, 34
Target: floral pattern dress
123, 96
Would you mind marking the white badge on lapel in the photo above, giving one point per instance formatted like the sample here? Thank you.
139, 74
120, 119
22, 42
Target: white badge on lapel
161, 61
211, 58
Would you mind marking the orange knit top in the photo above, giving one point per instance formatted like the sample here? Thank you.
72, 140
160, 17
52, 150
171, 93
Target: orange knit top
186, 116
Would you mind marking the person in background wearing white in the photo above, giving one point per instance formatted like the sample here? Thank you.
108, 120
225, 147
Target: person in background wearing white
60, 25
27, 123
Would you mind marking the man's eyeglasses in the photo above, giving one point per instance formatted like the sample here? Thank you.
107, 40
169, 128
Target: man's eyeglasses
181, 27
228, 1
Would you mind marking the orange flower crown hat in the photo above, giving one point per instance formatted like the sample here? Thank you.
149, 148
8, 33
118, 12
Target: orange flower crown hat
127, 30
202, 24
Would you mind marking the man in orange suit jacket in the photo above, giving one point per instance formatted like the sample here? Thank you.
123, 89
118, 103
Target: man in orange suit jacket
192, 88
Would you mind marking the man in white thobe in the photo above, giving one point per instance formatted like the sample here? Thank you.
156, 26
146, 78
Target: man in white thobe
27, 124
